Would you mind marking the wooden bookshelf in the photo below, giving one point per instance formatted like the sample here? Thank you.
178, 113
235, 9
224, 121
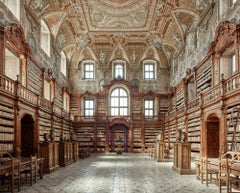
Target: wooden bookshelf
204, 77
6, 126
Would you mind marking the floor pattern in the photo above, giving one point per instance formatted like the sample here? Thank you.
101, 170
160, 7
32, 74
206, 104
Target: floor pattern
118, 173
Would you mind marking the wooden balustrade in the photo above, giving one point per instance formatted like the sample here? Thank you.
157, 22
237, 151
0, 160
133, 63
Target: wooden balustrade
45, 104
180, 110
212, 95
193, 104
57, 110
232, 83
27, 95
7, 84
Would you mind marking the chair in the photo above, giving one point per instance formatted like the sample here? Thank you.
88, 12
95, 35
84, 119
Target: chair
207, 172
233, 178
15, 174
31, 173
223, 176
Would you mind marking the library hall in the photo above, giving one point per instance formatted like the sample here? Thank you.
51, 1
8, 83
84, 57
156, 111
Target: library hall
120, 96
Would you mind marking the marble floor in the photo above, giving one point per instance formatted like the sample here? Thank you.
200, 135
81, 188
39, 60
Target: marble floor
114, 173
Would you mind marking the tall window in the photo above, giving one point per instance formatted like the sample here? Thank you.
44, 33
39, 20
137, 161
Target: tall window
233, 64
45, 38
65, 101
88, 107
63, 64
119, 102
12, 65
47, 90
119, 70
228, 65
13, 6
148, 108
149, 71
88, 71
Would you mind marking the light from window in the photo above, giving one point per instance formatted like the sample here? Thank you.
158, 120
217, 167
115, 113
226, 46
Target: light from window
47, 90
88, 71
119, 71
45, 38
13, 6
66, 101
63, 64
148, 108
12, 65
119, 102
149, 71
89, 107
233, 61
233, 2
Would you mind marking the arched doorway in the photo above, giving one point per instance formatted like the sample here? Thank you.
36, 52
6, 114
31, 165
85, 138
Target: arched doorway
212, 126
27, 136
119, 131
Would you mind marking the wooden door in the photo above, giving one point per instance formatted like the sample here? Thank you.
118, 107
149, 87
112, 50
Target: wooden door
213, 139
119, 131
27, 136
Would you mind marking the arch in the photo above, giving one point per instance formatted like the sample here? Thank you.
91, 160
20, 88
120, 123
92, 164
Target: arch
63, 64
28, 147
119, 137
212, 136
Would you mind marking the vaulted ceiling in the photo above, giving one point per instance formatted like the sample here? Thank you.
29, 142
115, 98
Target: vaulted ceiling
129, 29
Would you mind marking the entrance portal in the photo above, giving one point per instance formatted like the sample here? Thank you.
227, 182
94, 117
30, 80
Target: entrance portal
213, 137
119, 138
27, 136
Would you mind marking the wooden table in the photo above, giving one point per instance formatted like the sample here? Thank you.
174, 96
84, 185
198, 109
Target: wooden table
5, 166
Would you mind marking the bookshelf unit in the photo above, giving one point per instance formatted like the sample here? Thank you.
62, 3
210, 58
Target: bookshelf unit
6, 126
137, 140
204, 78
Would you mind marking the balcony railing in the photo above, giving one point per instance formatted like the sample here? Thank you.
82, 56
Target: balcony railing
7, 84
194, 103
15, 89
27, 95
232, 83
212, 95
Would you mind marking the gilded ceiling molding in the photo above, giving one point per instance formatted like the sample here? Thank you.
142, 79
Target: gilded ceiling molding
193, 17
54, 20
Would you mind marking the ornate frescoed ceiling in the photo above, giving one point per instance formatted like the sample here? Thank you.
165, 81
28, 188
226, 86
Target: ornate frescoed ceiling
132, 27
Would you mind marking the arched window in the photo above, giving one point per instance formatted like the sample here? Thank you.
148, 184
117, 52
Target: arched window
45, 38
63, 64
119, 102
12, 65
14, 7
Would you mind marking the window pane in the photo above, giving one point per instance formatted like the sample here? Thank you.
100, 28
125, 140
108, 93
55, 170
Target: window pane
114, 102
123, 102
149, 71
118, 71
148, 107
119, 102
89, 107
89, 71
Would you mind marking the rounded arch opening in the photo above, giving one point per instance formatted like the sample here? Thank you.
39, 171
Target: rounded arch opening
212, 136
27, 136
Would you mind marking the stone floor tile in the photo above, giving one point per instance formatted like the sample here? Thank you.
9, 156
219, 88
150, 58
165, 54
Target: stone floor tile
112, 173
